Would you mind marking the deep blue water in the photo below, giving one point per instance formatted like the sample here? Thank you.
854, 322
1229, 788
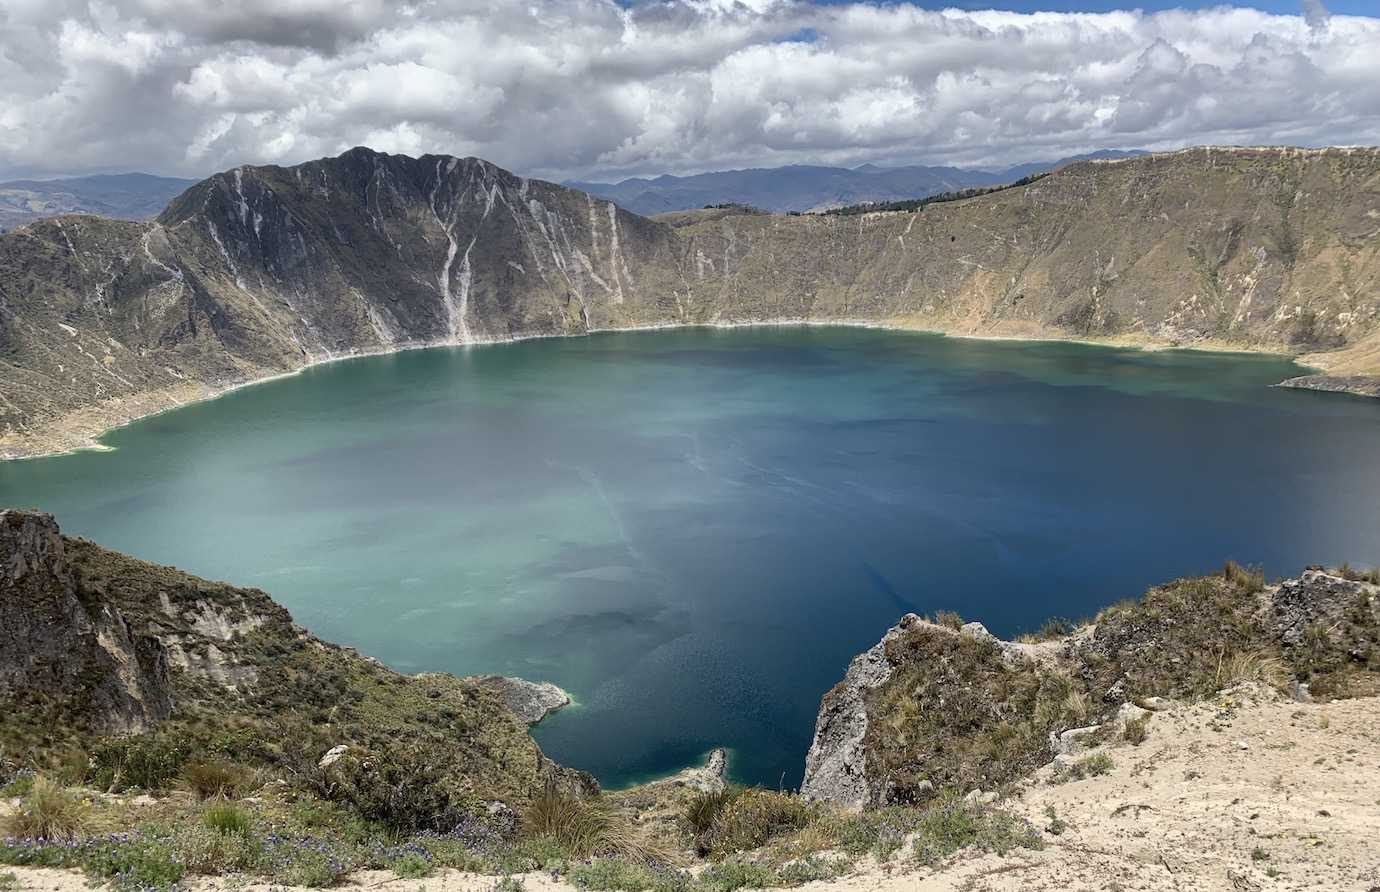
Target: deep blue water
694, 531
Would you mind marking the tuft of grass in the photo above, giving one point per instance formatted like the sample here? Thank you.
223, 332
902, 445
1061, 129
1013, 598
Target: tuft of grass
8, 882
733, 874
1247, 580
212, 779
704, 808
224, 817
1257, 665
209, 852
1135, 731
509, 884
582, 826
1259, 854
949, 619
48, 811
754, 817
951, 826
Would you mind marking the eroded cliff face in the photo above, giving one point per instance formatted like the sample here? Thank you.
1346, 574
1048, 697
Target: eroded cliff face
60, 650
95, 643
934, 707
264, 270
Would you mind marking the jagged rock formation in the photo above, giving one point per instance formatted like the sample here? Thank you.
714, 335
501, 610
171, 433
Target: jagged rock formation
530, 701
56, 646
934, 706
93, 643
264, 270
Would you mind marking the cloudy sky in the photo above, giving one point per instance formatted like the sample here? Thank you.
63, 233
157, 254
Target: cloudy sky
599, 88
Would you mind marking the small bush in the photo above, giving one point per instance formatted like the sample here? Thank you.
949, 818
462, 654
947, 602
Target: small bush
754, 817
813, 869
209, 780
407, 787
8, 882
1371, 576
203, 850
949, 619
145, 761
727, 876
509, 884
135, 862
307, 862
704, 808
609, 874
1135, 731
226, 818
411, 866
582, 826
48, 812
1257, 666
1247, 580
19, 785
880, 833
950, 826
1090, 766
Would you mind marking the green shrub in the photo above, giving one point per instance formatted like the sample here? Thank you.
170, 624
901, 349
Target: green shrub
407, 787
755, 816
880, 833
535, 853
138, 862
608, 874
726, 876
951, 826
8, 882
1089, 766
47, 811
18, 785
226, 818
411, 866
214, 778
509, 884
1135, 731
309, 863
211, 852
145, 761
813, 869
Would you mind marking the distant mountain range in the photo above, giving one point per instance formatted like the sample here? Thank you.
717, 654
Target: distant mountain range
800, 187
121, 196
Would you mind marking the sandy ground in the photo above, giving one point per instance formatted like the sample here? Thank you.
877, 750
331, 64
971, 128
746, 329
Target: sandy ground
1232, 794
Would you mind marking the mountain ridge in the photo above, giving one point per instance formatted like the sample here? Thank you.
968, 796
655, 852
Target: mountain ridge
263, 271
125, 196
811, 187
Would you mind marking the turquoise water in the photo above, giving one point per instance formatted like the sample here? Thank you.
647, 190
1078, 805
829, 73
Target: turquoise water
693, 531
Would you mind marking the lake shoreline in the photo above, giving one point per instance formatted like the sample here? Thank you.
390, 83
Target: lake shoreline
81, 430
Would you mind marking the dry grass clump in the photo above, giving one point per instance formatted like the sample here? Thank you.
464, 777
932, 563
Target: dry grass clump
212, 779
1258, 666
753, 817
1346, 571
1247, 580
48, 812
585, 827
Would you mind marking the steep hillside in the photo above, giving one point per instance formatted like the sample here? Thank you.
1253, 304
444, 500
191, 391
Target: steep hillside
262, 271
98, 644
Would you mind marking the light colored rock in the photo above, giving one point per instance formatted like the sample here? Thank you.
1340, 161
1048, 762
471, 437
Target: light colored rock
835, 769
1072, 741
1130, 712
333, 755
530, 701
711, 777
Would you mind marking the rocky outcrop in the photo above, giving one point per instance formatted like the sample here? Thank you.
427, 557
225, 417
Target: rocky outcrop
93, 642
1360, 385
530, 701
836, 765
62, 653
932, 706
261, 271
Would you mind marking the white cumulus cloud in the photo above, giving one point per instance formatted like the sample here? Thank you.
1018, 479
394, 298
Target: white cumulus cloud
591, 88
